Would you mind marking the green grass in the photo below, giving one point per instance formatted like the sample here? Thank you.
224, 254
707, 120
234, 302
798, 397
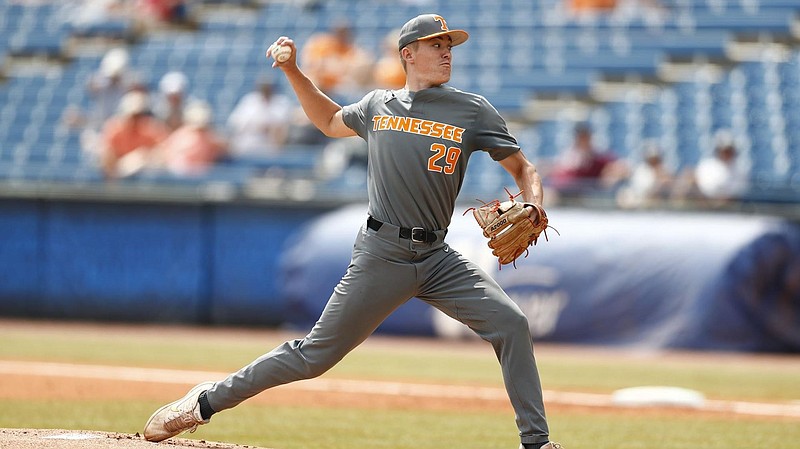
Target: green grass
144, 348
610, 430
743, 382
295, 427
567, 371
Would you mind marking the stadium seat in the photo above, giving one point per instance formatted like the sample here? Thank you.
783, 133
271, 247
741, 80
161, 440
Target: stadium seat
518, 50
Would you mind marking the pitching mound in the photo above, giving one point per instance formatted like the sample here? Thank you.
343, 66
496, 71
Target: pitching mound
84, 439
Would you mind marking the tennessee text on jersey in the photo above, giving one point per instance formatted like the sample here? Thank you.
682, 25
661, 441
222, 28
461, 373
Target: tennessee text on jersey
417, 126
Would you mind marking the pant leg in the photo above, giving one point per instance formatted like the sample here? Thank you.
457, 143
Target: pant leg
462, 290
371, 289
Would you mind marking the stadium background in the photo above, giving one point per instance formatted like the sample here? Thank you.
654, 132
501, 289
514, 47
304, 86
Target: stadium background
223, 248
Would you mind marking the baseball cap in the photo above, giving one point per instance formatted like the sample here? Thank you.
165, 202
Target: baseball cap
173, 83
428, 26
114, 62
133, 103
197, 113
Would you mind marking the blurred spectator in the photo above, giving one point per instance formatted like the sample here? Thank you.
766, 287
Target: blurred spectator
344, 158
336, 65
84, 15
105, 87
650, 182
302, 132
589, 7
195, 147
652, 12
720, 176
309, 5
157, 13
388, 72
582, 167
172, 100
259, 123
129, 137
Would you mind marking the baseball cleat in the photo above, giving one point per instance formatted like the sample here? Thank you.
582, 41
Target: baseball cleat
177, 417
550, 445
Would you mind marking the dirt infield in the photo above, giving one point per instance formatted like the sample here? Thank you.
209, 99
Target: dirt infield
74, 439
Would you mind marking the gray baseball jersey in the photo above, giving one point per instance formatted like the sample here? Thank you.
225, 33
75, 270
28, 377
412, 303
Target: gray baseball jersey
419, 145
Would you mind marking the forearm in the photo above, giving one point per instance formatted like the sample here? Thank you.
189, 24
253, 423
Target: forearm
526, 177
530, 183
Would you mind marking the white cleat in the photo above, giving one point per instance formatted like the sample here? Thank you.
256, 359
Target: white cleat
177, 417
552, 445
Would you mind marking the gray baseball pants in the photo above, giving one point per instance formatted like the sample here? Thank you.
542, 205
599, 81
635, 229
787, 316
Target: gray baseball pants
386, 271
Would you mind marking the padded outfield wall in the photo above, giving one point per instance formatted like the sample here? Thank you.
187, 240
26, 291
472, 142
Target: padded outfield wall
645, 279
137, 261
639, 279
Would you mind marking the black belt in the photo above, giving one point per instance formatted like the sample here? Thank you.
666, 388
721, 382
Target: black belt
416, 235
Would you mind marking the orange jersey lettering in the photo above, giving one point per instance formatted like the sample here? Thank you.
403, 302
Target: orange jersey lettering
417, 126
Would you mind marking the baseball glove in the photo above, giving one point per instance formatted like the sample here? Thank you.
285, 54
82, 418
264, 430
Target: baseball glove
511, 227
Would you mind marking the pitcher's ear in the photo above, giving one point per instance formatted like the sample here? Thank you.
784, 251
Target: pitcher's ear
406, 54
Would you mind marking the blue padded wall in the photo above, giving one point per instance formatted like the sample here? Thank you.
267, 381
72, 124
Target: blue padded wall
20, 251
155, 262
247, 244
123, 261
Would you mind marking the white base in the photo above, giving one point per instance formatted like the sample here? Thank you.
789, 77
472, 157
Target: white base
658, 396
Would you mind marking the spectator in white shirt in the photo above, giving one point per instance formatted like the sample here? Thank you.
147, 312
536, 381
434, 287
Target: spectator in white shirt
649, 183
259, 123
721, 176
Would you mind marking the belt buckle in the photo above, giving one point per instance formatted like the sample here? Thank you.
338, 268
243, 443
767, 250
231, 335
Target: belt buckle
418, 235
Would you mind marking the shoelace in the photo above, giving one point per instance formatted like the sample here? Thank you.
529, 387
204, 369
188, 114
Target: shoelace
182, 421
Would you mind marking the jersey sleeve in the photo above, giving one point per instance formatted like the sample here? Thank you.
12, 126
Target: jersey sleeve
492, 133
355, 115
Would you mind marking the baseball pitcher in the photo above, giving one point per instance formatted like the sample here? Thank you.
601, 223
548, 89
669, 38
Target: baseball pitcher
420, 139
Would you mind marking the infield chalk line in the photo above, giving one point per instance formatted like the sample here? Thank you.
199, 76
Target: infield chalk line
190, 377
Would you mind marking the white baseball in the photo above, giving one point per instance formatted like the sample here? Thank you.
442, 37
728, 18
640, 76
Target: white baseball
281, 53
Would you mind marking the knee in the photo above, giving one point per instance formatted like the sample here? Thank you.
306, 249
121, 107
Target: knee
513, 323
316, 370
513, 318
317, 359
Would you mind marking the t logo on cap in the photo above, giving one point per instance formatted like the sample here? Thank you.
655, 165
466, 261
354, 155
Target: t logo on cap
440, 19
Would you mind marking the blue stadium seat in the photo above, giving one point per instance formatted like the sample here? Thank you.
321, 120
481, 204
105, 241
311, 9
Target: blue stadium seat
531, 50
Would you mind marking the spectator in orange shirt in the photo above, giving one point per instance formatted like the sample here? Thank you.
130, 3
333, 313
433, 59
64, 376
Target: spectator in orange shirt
336, 64
588, 6
388, 72
195, 147
129, 137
